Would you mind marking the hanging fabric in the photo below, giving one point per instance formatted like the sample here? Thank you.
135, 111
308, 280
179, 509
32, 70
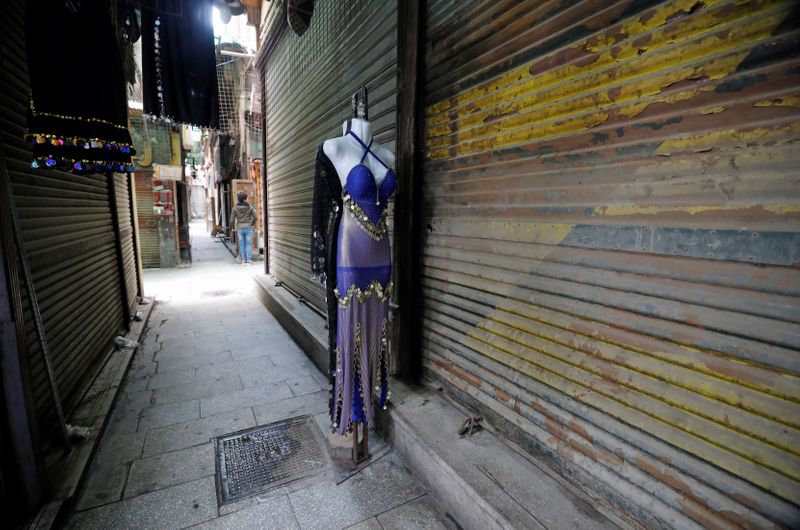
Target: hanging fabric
78, 110
179, 67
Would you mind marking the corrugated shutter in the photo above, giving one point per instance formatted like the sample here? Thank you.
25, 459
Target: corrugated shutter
148, 223
611, 251
309, 81
123, 195
69, 239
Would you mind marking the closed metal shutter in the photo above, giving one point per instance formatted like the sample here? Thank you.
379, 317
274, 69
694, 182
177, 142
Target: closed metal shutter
149, 239
122, 185
309, 81
611, 244
68, 235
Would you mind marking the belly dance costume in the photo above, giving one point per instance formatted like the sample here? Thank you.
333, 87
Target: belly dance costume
363, 287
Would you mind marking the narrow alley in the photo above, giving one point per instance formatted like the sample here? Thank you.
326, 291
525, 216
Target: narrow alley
479, 264
214, 361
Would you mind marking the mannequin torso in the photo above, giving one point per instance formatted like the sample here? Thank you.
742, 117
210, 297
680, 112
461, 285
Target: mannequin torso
346, 152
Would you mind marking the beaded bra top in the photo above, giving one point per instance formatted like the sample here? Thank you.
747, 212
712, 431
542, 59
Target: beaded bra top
366, 200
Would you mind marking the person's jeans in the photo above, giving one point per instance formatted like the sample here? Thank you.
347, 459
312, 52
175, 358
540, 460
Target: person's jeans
245, 234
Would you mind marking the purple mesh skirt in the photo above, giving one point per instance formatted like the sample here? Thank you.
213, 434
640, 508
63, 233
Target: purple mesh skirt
363, 290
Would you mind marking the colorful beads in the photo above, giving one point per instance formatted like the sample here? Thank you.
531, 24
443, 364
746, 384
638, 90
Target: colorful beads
81, 165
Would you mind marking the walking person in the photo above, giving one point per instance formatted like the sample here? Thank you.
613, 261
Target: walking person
244, 222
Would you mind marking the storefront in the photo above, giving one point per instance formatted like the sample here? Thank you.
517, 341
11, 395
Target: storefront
609, 230
77, 233
609, 260
346, 46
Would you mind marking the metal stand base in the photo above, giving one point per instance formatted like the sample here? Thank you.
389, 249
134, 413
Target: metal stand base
360, 449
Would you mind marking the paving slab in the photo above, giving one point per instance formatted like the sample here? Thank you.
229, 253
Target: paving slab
369, 524
305, 385
262, 377
308, 404
120, 448
419, 514
168, 469
235, 367
103, 485
275, 512
244, 398
195, 360
135, 400
159, 380
168, 414
383, 485
197, 432
250, 351
123, 421
200, 389
180, 506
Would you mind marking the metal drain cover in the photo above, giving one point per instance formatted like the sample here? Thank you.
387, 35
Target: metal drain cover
255, 460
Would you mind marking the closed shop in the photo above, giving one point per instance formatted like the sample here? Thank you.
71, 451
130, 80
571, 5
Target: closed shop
611, 244
69, 238
149, 239
122, 194
309, 81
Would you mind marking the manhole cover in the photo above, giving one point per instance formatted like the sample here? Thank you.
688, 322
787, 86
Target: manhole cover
255, 460
212, 294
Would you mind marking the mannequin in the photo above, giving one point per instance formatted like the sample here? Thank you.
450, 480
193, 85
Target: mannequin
350, 254
345, 151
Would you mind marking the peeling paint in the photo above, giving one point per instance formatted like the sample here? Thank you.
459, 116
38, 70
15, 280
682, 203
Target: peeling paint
617, 224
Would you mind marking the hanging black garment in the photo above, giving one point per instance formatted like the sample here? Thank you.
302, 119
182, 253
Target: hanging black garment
325, 217
78, 111
179, 65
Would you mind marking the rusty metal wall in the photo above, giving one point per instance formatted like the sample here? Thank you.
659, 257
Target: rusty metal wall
611, 246
69, 239
309, 81
122, 184
149, 239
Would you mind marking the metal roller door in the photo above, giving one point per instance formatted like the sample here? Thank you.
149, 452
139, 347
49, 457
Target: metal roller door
122, 185
148, 223
611, 245
68, 235
309, 81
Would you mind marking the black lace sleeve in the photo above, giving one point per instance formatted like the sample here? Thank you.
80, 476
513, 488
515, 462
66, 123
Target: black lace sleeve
325, 216
326, 205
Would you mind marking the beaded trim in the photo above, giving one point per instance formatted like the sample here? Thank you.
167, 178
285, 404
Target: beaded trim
381, 367
159, 66
72, 164
76, 141
337, 415
357, 370
34, 112
354, 290
376, 230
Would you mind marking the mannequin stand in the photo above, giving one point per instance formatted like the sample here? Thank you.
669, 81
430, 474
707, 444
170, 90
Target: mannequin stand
360, 449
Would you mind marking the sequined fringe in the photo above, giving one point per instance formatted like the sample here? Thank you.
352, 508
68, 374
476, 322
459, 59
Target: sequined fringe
338, 379
354, 290
357, 369
382, 367
376, 230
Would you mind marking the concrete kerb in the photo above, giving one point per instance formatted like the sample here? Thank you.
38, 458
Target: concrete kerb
106, 385
307, 328
471, 502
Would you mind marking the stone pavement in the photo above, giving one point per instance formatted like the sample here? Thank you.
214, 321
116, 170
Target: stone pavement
214, 361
